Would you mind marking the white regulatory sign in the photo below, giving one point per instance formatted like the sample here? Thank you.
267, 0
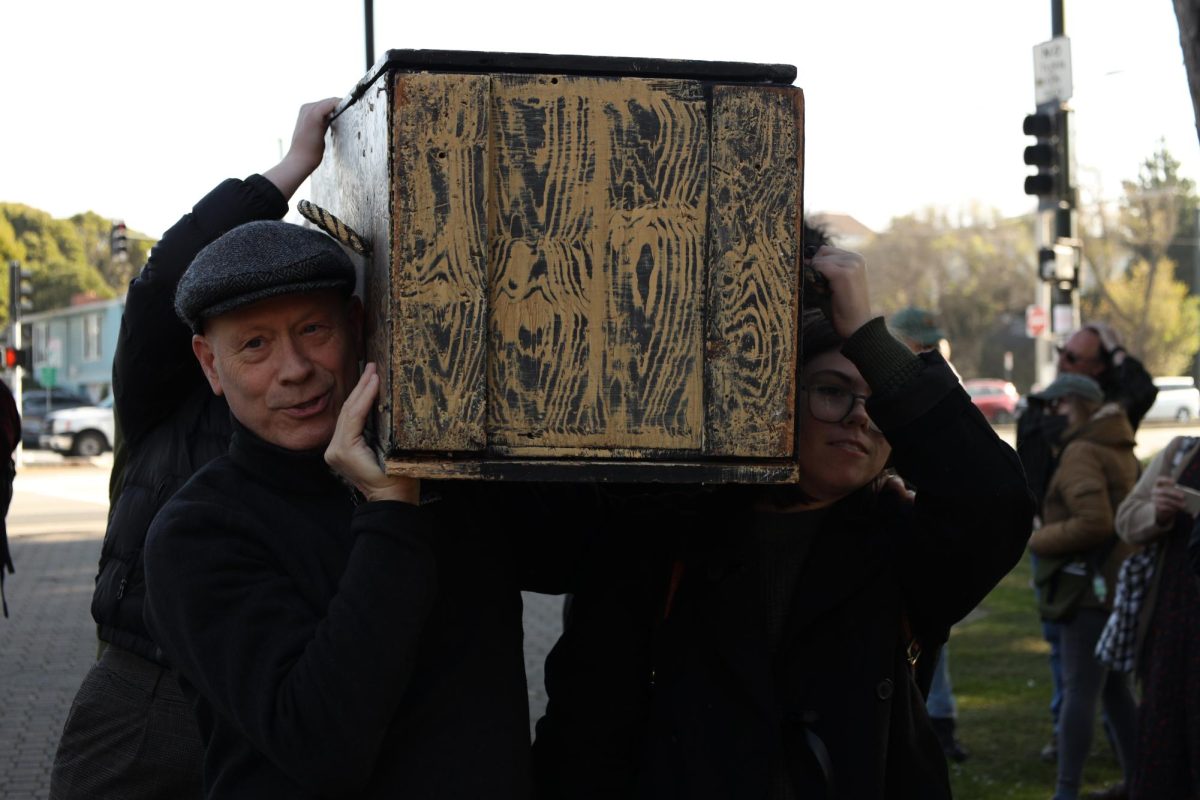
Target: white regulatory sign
1052, 71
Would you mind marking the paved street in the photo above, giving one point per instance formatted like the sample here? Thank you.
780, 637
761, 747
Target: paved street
55, 527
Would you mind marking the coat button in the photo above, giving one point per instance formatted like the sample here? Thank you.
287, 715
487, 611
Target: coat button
884, 689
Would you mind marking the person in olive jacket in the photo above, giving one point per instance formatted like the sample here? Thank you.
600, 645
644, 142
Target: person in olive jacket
130, 733
1079, 556
755, 643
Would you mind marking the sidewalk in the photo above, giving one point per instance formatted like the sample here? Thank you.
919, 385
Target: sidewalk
47, 644
48, 641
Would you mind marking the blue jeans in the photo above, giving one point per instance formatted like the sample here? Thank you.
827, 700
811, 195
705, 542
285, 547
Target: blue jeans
1053, 636
940, 704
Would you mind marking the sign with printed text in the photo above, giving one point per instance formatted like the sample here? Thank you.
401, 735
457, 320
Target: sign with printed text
1035, 321
1052, 71
54, 351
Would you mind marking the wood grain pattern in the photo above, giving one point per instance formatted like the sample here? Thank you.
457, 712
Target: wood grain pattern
439, 275
596, 226
353, 182
753, 271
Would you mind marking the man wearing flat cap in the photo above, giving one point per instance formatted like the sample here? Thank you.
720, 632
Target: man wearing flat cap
335, 642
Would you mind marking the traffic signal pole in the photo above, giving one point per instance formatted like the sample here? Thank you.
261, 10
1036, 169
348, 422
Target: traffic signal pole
1054, 186
16, 280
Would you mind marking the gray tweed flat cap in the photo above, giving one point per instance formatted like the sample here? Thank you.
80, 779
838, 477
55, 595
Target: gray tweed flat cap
259, 260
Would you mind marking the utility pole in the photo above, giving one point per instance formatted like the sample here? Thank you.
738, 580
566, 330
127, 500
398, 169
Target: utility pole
16, 358
369, 19
1054, 185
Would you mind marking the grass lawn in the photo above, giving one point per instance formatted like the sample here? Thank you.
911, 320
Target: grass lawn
1001, 674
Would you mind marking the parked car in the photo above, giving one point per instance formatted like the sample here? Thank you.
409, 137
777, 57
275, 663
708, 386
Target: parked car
34, 408
996, 398
1178, 400
82, 431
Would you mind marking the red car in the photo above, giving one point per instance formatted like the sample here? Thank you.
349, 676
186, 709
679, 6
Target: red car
996, 398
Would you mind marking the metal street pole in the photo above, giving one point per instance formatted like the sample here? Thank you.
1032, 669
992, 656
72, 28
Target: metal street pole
14, 340
1057, 237
369, 18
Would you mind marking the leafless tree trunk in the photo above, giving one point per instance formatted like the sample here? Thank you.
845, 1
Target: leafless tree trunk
1188, 14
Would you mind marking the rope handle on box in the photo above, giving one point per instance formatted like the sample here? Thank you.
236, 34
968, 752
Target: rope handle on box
334, 227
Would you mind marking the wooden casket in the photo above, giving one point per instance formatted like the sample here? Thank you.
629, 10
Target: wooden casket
582, 268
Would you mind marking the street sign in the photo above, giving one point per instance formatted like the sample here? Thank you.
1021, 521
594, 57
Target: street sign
48, 376
54, 351
1052, 71
1035, 321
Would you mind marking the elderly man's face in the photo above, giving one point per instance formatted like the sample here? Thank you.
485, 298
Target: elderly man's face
285, 364
1081, 355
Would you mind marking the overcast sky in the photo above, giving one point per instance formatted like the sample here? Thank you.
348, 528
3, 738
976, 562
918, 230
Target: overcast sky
134, 109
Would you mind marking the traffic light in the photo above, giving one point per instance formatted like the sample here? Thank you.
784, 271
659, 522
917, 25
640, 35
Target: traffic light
16, 357
1051, 155
1059, 263
120, 241
20, 290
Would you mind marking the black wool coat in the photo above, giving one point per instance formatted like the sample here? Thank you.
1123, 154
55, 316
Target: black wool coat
169, 423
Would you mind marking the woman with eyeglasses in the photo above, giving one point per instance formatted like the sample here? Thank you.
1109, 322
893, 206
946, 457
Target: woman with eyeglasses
774, 642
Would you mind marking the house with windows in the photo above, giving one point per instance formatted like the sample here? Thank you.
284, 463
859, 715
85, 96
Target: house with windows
73, 347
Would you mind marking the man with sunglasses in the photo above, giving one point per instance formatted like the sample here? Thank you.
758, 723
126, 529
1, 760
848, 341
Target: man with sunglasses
1095, 351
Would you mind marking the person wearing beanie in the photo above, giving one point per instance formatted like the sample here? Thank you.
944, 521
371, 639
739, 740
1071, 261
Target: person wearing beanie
917, 328
1095, 351
131, 732
1079, 556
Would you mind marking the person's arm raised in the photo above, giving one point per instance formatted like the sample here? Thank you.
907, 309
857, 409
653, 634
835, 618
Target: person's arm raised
307, 147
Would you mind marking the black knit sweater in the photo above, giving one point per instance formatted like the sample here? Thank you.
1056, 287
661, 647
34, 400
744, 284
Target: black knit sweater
338, 651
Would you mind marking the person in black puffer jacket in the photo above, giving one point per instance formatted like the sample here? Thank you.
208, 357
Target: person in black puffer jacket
130, 733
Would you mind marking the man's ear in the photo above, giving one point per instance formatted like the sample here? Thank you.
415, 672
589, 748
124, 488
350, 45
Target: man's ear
207, 358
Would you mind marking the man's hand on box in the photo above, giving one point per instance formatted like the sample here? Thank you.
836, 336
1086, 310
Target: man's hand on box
350, 455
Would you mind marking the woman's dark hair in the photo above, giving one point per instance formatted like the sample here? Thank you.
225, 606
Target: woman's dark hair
816, 335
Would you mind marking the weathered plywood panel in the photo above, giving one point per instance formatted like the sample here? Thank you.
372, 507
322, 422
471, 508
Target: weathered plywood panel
439, 275
598, 196
354, 184
753, 263
593, 469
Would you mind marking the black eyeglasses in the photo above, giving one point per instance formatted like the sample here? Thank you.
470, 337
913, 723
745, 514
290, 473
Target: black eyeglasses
1071, 357
832, 403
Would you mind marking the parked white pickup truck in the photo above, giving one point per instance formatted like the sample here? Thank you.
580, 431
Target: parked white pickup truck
82, 431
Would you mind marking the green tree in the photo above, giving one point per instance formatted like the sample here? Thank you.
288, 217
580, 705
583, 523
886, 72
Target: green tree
1169, 335
95, 233
66, 257
975, 271
1129, 256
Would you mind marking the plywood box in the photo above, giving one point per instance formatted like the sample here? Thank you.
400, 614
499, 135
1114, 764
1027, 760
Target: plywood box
582, 268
